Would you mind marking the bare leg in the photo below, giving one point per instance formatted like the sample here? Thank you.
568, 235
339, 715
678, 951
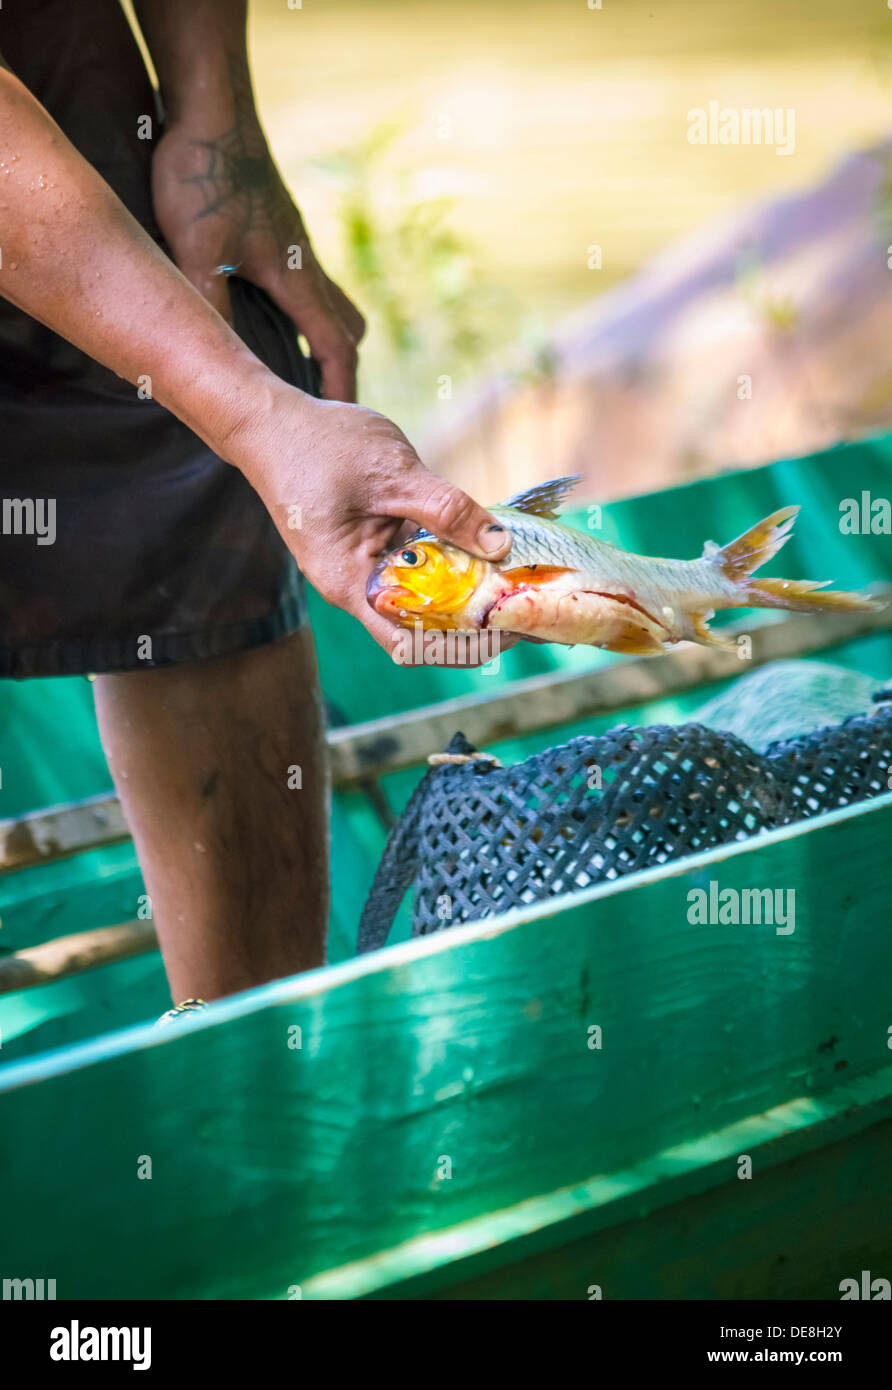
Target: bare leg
235, 861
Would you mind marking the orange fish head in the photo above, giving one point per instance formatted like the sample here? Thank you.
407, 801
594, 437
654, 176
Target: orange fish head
426, 581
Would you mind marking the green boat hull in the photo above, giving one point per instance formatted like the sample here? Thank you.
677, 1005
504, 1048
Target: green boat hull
591, 1097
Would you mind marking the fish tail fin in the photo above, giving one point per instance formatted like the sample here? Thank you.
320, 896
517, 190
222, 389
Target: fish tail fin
739, 558
803, 596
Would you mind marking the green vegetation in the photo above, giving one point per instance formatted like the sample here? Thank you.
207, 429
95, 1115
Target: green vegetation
415, 275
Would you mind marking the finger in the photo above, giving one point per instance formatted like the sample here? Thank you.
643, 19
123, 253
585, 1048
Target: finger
331, 342
406, 648
348, 311
436, 648
335, 351
385, 633
401, 644
452, 515
338, 367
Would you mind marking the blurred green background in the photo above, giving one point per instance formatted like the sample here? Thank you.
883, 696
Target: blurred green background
455, 159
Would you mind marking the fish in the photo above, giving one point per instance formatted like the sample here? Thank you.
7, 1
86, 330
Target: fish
558, 584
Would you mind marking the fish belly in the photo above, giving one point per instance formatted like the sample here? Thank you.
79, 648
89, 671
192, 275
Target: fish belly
573, 615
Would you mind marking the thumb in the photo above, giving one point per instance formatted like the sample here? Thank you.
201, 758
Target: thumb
453, 516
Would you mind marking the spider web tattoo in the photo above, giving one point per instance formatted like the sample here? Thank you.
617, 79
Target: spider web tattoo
239, 177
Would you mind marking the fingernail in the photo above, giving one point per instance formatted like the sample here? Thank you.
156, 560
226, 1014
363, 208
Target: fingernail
490, 537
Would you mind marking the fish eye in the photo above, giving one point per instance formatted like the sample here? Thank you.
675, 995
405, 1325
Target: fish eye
410, 557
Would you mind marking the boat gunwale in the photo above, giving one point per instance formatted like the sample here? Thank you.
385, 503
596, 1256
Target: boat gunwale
313, 983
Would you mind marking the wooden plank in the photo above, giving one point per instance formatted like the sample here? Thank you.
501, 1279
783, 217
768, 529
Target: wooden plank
360, 753
325, 1120
70, 955
40, 837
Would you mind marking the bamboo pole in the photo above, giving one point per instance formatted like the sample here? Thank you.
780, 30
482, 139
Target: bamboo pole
70, 955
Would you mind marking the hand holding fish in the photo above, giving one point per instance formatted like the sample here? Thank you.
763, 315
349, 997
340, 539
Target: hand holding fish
339, 481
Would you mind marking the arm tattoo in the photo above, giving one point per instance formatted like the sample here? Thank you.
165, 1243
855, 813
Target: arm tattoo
239, 178
235, 180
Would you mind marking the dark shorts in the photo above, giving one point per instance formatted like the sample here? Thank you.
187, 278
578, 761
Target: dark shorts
117, 524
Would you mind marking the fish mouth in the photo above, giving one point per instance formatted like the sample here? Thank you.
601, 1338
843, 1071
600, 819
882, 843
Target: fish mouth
381, 595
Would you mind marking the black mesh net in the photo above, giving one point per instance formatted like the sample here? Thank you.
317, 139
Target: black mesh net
477, 839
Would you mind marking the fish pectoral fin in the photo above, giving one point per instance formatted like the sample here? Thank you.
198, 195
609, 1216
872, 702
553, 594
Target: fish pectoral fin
535, 575
702, 633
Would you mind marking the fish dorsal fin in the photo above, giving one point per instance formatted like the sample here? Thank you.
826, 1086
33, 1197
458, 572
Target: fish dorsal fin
545, 498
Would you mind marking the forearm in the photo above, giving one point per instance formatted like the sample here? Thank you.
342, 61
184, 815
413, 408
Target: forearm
74, 258
199, 49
